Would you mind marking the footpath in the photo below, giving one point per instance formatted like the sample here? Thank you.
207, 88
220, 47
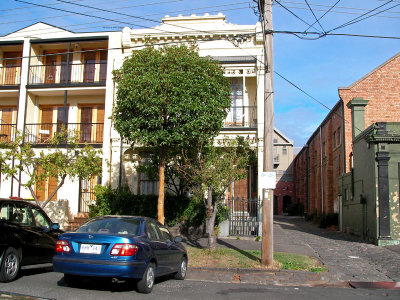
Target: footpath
349, 260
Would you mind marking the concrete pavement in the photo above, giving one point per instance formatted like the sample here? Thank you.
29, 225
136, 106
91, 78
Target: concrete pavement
347, 258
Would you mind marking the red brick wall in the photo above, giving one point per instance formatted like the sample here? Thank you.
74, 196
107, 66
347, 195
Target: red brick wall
382, 88
283, 188
330, 164
300, 178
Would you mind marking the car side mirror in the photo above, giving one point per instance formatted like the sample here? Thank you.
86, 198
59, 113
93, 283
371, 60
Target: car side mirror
55, 226
178, 239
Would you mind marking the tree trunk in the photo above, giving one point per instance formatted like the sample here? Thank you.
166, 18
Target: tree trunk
160, 202
210, 221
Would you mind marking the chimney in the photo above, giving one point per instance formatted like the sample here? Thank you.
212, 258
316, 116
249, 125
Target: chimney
357, 106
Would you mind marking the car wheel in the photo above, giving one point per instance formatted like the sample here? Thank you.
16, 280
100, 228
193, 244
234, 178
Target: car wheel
181, 274
9, 266
145, 285
70, 280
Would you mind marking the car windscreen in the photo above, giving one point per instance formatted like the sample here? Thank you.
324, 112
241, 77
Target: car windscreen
112, 226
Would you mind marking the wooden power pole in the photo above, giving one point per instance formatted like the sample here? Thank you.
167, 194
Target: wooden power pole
267, 257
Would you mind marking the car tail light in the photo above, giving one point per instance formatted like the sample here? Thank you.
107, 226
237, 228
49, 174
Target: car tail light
63, 246
123, 250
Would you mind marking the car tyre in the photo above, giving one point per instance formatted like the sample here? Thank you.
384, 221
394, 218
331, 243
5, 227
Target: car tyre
10, 265
145, 285
181, 274
71, 280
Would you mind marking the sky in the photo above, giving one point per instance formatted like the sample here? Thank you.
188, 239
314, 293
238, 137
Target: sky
316, 64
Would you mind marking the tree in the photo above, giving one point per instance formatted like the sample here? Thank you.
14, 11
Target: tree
37, 166
169, 99
213, 170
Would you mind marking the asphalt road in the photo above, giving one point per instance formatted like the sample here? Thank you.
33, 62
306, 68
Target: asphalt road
51, 285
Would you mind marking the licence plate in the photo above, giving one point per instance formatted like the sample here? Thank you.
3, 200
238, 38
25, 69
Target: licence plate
90, 248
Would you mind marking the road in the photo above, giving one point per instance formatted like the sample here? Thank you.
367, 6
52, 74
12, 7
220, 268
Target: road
51, 285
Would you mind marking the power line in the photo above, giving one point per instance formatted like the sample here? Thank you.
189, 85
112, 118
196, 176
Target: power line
113, 20
138, 5
323, 15
154, 14
283, 6
317, 20
318, 35
358, 19
336, 11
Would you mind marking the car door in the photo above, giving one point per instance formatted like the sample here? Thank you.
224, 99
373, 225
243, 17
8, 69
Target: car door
45, 237
174, 254
19, 229
159, 247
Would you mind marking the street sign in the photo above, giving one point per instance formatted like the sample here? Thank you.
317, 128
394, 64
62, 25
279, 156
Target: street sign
268, 180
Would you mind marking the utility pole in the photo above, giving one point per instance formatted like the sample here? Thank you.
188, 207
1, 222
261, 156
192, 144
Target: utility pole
265, 9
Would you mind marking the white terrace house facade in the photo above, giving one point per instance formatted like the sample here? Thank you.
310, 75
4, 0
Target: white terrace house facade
50, 76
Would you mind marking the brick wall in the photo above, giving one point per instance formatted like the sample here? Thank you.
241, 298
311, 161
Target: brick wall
333, 138
381, 88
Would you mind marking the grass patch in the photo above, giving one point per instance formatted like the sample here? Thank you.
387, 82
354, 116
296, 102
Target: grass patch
231, 258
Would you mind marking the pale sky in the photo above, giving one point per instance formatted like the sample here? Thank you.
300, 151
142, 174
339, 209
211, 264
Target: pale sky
316, 63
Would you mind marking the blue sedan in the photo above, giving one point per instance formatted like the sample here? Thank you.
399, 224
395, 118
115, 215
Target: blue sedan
121, 247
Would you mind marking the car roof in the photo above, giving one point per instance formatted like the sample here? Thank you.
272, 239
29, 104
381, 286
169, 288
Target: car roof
125, 217
18, 201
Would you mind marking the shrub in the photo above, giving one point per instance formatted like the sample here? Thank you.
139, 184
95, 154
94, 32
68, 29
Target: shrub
328, 220
311, 216
121, 201
295, 209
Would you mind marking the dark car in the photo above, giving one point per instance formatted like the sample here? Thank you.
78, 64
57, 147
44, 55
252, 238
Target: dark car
121, 247
27, 237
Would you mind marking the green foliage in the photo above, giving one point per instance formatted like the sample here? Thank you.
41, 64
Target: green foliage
122, 201
71, 161
310, 217
170, 97
258, 238
218, 166
328, 220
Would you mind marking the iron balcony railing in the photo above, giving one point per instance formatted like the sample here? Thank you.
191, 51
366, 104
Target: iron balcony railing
63, 74
91, 133
241, 116
8, 132
10, 76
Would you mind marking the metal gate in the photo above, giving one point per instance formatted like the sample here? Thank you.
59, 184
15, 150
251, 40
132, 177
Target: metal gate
243, 216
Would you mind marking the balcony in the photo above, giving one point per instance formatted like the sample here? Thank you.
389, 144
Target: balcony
8, 132
42, 134
88, 74
10, 76
241, 117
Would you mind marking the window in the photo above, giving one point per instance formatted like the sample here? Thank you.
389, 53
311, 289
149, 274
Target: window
52, 120
91, 118
334, 139
40, 219
95, 66
235, 114
284, 150
56, 68
8, 117
152, 231
148, 185
10, 72
165, 234
44, 189
339, 136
